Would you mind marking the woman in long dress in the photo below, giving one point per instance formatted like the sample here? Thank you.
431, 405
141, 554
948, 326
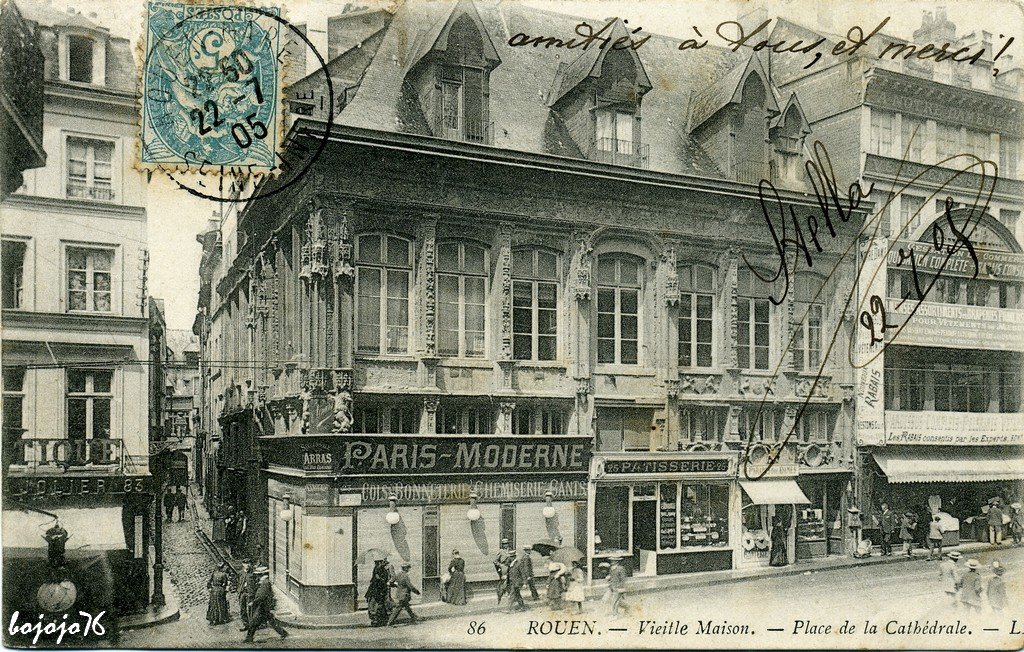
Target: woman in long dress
456, 592
780, 537
217, 613
378, 595
556, 586
575, 592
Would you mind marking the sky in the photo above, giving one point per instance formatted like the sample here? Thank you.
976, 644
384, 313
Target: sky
175, 218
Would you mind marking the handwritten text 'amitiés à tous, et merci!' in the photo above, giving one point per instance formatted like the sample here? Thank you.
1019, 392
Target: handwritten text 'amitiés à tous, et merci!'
733, 35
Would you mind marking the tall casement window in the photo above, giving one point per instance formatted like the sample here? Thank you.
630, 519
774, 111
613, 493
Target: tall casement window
696, 316
618, 308
89, 279
13, 410
535, 275
882, 132
1009, 157
80, 49
914, 134
383, 281
947, 142
615, 130
753, 309
536, 420
461, 297
809, 306
13, 259
89, 395
386, 419
90, 169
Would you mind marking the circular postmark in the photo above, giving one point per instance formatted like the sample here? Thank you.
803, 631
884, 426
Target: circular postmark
213, 102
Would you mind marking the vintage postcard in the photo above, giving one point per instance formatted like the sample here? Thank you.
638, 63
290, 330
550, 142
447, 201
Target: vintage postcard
494, 324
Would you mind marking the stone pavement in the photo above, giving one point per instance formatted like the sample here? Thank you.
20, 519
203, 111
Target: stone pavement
188, 563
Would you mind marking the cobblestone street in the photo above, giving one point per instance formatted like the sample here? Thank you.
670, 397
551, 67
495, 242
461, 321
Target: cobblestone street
188, 563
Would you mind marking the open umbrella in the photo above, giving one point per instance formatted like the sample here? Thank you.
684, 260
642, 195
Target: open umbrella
371, 555
567, 555
546, 546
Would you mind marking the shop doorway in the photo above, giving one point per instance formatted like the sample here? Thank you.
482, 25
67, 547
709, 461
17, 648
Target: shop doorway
645, 533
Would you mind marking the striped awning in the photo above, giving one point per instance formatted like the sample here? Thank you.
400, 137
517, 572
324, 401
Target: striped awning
950, 464
91, 529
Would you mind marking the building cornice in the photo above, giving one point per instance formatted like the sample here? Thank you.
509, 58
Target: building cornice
91, 322
91, 93
931, 99
75, 206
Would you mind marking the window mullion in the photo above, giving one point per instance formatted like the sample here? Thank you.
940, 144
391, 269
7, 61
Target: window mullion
618, 325
462, 316
535, 318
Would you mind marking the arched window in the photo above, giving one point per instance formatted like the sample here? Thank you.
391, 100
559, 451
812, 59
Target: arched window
696, 316
535, 274
809, 307
461, 297
462, 83
619, 280
383, 281
753, 311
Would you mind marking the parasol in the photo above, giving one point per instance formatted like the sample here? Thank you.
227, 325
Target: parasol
567, 555
371, 555
546, 546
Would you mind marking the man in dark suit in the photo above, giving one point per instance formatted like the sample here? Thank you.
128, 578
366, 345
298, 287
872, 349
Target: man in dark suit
261, 608
501, 566
888, 524
528, 572
403, 594
516, 580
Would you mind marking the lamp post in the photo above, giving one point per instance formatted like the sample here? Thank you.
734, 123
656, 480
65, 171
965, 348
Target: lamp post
158, 535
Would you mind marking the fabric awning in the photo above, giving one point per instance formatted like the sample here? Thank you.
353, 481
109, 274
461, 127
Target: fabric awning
949, 464
90, 529
774, 492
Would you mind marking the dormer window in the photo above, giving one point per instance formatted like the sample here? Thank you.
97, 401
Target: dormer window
82, 56
80, 59
450, 73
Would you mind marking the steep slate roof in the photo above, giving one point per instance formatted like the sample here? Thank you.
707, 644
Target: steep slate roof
429, 36
570, 75
520, 86
726, 90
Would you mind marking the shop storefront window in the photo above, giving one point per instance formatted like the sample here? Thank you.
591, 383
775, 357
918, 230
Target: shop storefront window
611, 519
693, 515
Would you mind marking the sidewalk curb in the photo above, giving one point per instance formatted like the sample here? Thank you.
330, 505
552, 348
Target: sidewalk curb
347, 621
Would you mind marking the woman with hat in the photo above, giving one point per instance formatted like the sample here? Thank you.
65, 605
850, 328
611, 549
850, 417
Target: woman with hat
556, 589
217, 612
970, 593
779, 538
577, 585
950, 576
456, 591
378, 594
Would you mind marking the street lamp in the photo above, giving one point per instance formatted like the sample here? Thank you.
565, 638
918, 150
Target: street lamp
393, 517
473, 513
549, 509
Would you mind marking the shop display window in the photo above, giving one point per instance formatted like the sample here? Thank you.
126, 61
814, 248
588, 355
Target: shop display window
693, 516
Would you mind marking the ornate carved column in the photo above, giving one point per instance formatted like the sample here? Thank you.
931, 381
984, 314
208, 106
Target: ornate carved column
429, 237
579, 286
430, 406
731, 266
505, 409
342, 397
505, 284
342, 301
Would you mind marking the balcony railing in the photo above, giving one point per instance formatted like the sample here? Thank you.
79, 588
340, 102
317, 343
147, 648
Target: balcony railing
78, 191
751, 171
66, 455
466, 130
620, 152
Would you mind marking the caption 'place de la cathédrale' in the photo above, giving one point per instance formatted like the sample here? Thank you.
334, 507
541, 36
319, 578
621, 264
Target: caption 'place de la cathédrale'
520, 296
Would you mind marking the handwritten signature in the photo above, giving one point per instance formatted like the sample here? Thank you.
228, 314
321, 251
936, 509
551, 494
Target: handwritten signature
792, 248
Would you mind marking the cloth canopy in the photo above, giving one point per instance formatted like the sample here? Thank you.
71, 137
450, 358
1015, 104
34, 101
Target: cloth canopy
949, 464
774, 492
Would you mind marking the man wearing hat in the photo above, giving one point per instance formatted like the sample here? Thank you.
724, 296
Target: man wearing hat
403, 594
996, 590
617, 585
970, 593
950, 576
526, 559
501, 565
516, 580
261, 608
